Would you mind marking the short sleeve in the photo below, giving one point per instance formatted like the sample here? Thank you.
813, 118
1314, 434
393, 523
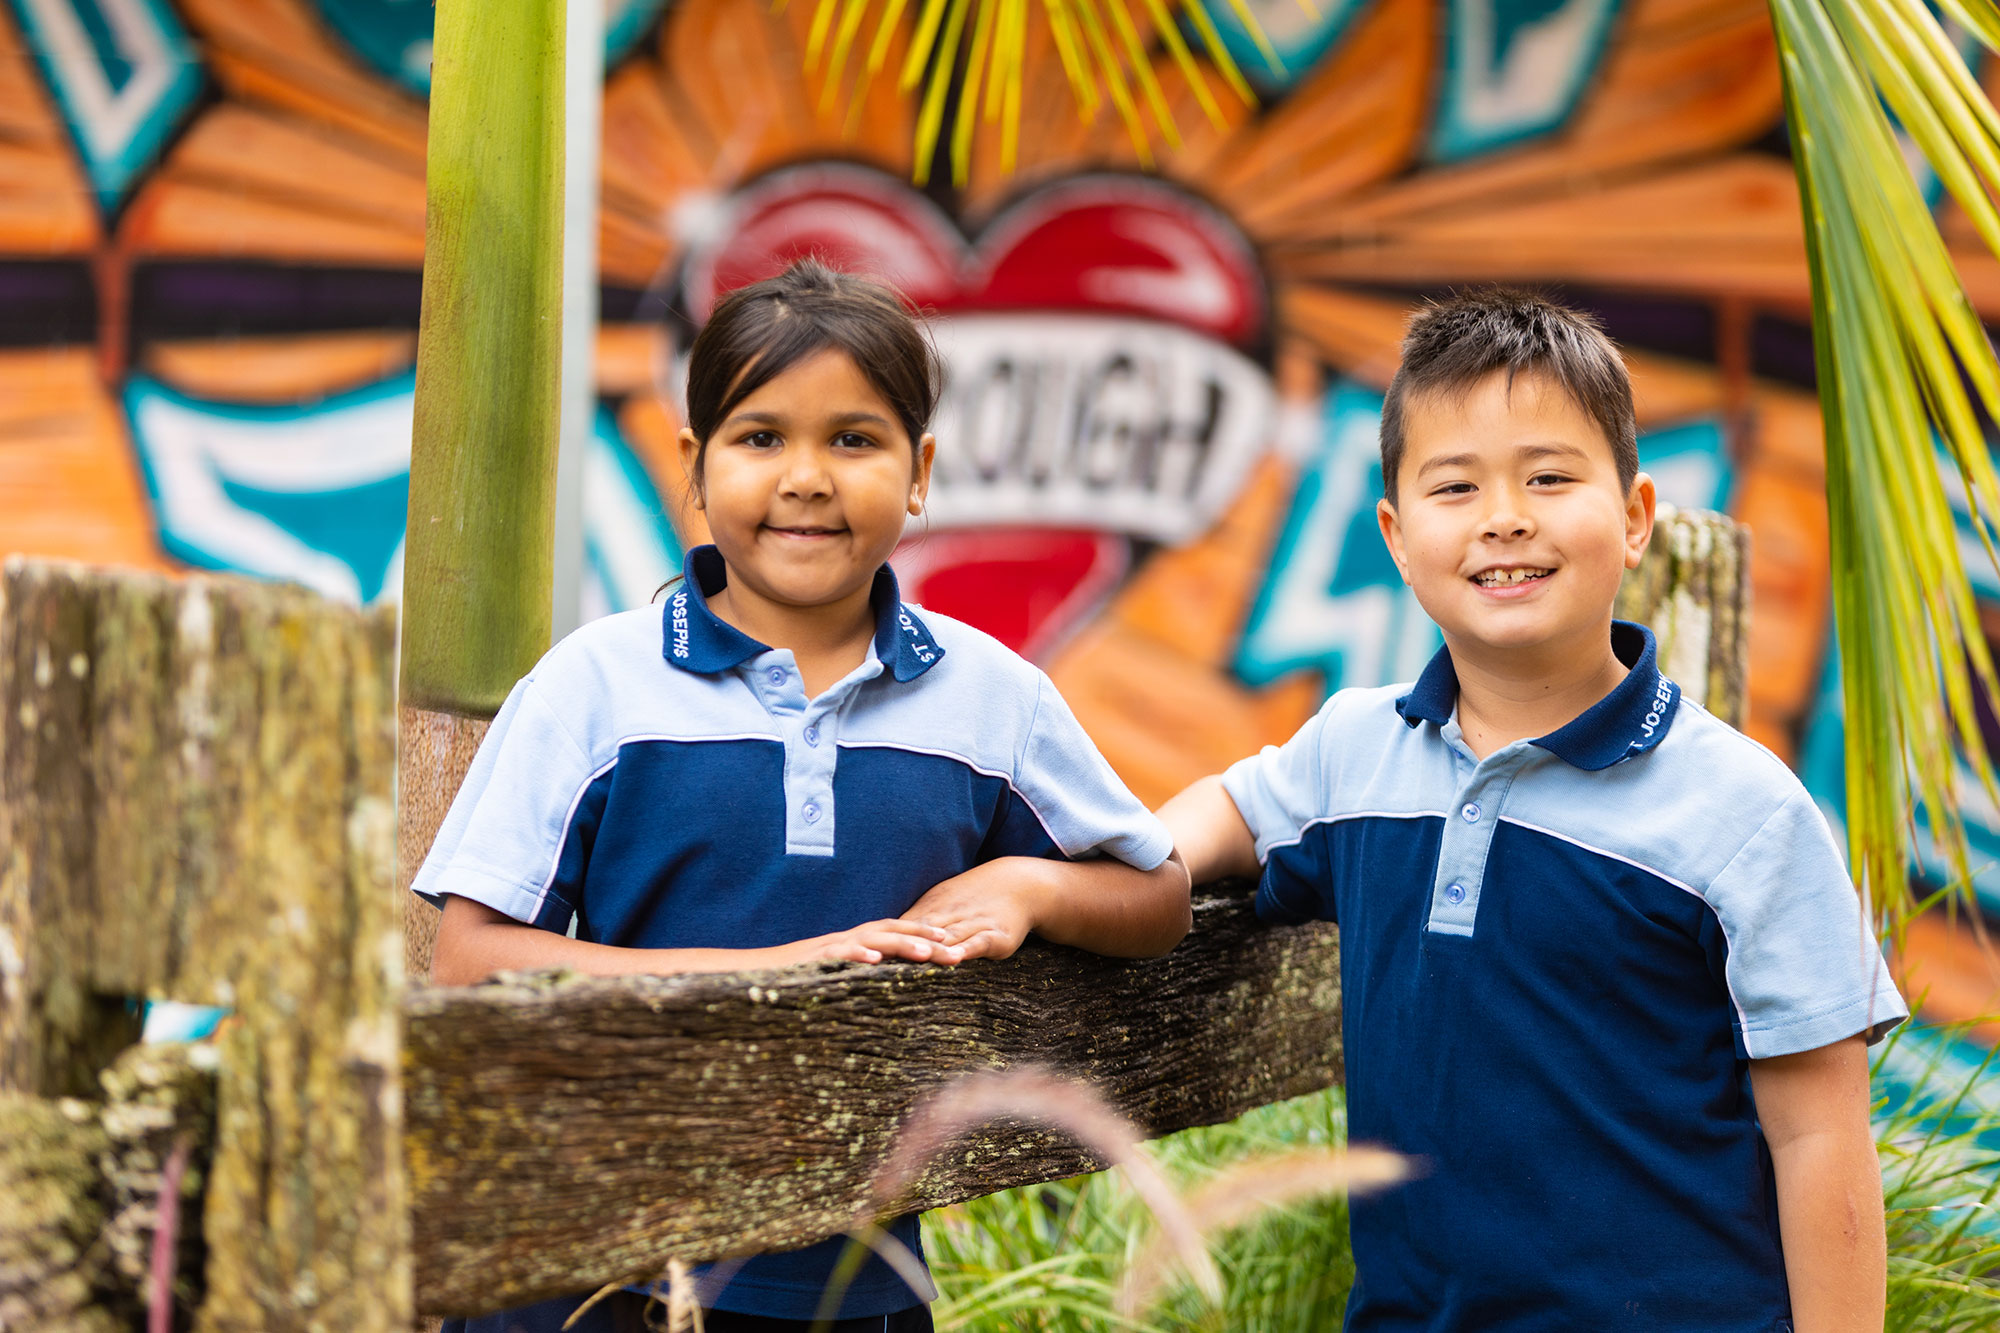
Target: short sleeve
503, 841
1076, 797
1803, 966
1279, 791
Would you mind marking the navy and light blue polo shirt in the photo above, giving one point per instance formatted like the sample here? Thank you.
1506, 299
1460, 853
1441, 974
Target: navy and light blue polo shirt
1556, 964
661, 780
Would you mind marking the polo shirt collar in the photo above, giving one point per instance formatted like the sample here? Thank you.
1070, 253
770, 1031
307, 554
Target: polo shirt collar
696, 639
1633, 718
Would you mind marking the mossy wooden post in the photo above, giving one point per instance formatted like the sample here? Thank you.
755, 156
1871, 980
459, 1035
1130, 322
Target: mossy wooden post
195, 801
1693, 590
476, 591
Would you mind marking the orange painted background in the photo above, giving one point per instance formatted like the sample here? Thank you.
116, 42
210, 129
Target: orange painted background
211, 224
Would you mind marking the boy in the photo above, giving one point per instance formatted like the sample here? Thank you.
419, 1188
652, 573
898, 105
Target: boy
1602, 966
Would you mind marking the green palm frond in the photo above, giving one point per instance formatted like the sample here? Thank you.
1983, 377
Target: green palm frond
983, 45
1905, 370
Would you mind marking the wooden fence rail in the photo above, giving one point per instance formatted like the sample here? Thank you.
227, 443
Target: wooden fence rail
566, 1135
195, 803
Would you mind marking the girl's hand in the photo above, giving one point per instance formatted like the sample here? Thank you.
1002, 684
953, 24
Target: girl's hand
988, 910
874, 941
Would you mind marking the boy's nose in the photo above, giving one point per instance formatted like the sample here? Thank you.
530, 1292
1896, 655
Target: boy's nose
1506, 522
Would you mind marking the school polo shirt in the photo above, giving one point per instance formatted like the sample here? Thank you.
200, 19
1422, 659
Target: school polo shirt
1556, 963
662, 779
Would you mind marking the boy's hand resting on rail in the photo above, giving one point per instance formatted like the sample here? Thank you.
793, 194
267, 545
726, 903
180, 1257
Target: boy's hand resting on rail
873, 941
1104, 906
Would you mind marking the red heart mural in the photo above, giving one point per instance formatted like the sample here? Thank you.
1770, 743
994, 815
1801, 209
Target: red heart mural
1099, 336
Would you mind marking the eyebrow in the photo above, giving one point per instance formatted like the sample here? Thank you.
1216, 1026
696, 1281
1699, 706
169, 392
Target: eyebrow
1528, 453
840, 420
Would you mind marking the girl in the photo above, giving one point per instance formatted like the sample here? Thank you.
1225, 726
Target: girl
791, 764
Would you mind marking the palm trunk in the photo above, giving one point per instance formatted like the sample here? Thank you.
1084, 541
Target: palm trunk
476, 587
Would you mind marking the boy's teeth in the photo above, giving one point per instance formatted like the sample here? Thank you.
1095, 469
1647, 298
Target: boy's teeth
1495, 578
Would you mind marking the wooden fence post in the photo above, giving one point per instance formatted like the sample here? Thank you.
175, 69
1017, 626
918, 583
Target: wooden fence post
1693, 589
195, 798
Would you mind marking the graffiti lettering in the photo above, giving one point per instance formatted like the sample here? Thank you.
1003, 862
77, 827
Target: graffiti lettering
1106, 423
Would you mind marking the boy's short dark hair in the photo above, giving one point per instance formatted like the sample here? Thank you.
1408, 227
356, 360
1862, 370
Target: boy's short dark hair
1453, 344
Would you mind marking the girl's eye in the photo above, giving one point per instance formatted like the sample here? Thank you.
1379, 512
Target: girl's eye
760, 439
847, 439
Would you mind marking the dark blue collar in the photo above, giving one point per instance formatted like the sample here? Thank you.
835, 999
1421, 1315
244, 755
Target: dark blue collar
696, 639
1631, 719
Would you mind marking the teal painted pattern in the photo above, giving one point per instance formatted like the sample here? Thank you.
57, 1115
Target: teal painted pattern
394, 36
318, 493
1300, 34
123, 73
1514, 70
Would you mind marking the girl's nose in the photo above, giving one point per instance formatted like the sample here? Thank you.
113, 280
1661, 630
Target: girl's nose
805, 473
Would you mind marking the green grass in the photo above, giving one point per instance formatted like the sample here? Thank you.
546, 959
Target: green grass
1938, 1127
1048, 1259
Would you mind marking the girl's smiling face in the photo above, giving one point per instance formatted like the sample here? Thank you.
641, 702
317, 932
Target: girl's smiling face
806, 485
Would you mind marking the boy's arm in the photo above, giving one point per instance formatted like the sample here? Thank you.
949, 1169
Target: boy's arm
1104, 906
1209, 832
475, 941
1814, 1110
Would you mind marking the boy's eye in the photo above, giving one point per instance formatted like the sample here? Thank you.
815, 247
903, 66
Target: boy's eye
1454, 488
1547, 479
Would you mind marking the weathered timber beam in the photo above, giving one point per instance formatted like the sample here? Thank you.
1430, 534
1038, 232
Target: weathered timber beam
565, 1133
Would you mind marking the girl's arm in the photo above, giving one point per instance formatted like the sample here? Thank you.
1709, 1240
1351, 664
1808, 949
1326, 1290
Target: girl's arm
1104, 906
1814, 1110
475, 941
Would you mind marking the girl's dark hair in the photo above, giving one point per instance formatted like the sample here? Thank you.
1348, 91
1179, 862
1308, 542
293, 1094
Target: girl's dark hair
758, 332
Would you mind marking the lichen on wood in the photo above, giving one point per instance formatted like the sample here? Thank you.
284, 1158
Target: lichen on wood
50, 1274
1693, 589
565, 1132
83, 1184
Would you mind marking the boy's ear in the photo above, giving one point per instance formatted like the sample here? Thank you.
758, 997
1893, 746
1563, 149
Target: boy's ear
1391, 524
690, 449
920, 484
1639, 505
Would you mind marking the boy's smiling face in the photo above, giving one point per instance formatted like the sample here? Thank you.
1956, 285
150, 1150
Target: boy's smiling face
1510, 524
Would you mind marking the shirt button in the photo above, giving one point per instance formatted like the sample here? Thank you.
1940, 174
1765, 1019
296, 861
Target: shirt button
1470, 812
777, 675
1453, 895
812, 735
811, 812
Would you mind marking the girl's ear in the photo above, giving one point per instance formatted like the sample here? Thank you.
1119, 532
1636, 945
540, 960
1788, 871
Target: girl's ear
920, 484
690, 450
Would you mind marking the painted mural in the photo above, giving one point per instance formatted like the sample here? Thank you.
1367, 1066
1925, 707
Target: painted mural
1157, 462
